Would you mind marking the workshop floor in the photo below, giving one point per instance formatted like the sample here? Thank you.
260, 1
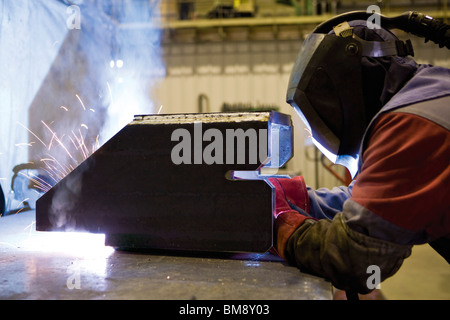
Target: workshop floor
425, 275
48, 265
27, 269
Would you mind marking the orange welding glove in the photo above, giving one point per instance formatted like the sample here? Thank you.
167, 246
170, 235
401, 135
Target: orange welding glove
290, 194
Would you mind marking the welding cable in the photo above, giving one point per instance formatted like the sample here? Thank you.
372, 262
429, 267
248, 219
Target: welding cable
412, 22
351, 295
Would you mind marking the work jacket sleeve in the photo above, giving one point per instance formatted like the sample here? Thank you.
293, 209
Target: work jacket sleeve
326, 203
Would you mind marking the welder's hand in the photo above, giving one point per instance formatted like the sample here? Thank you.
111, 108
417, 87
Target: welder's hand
290, 194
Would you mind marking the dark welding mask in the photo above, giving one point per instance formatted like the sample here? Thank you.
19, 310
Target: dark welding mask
325, 86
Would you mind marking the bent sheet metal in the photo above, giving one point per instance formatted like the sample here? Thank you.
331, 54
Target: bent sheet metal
169, 182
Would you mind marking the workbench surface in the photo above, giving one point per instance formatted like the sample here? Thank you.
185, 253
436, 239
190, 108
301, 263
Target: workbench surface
50, 265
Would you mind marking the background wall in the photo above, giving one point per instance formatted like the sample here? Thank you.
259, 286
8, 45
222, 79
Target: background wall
253, 73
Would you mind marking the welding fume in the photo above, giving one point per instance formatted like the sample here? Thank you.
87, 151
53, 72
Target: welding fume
81, 80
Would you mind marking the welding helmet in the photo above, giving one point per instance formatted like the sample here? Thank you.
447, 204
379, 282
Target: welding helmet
326, 88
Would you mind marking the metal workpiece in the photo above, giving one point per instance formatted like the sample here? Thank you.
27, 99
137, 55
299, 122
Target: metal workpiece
53, 265
172, 231
168, 182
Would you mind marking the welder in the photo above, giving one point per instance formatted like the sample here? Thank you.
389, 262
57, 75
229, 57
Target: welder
370, 107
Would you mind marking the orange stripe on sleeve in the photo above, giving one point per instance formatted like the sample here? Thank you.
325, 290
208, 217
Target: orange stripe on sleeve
405, 176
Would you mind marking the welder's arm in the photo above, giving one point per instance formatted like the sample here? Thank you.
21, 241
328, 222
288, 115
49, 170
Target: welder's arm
325, 203
330, 249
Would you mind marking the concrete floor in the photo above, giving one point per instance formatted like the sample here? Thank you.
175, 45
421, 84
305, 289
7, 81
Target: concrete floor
425, 275
48, 265
36, 265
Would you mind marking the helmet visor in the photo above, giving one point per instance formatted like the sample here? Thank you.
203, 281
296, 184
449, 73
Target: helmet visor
307, 99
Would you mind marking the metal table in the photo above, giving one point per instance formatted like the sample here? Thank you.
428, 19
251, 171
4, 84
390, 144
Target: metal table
48, 265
